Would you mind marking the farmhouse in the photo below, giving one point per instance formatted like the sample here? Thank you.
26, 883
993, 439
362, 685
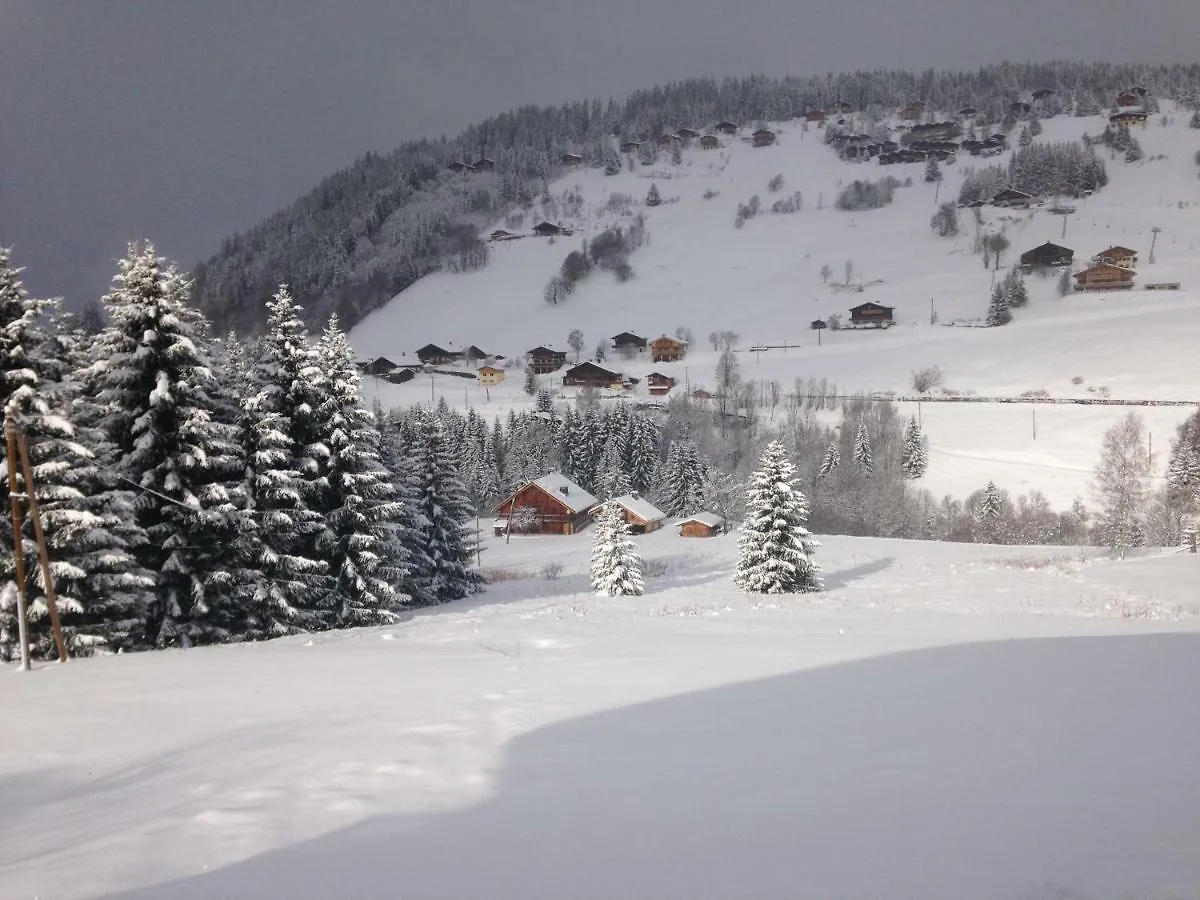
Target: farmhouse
501, 234
726, 128
433, 355
1012, 197
1118, 256
460, 166
702, 394
1104, 277
588, 374
475, 354
703, 524
709, 142
628, 342
489, 375
558, 505
1127, 98
547, 229
659, 384
667, 140
400, 376
543, 360
571, 159
763, 137
380, 366
1046, 255
815, 115
639, 514
667, 349
967, 112
483, 164
688, 134
872, 314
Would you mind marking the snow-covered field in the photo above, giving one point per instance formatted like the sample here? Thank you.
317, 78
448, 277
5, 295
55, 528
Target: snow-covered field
763, 281
945, 721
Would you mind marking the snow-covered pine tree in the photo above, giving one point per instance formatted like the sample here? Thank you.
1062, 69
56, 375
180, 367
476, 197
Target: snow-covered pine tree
831, 460
989, 513
679, 488
862, 448
998, 311
652, 196
1015, 294
775, 549
358, 542
616, 564
399, 453
914, 460
151, 373
933, 171
1183, 466
612, 480
641, 452
544, 401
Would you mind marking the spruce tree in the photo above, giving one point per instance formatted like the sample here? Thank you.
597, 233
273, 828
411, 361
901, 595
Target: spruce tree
989, 513
862, 449
616, 564
612, 480
652, 196
831, 460
914, 460
775, 549
998, 311
641, 452
679, 488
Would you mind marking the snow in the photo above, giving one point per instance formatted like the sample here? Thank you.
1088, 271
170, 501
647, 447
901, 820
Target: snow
763, 281
566, 492
712, 520
640, 507
942, 721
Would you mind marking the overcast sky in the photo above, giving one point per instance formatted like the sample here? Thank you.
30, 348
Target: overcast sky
184, 120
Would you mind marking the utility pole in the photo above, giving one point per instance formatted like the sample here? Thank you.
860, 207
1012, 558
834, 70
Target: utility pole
1064, 231
1155, 230
932, 313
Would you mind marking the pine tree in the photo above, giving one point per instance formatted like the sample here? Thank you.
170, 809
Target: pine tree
914, 460
616, 564
652, 196
932, 171
862, 448
358, 542
1015, 294
989, 513
998, 311
679, 488
831, 460
641, 452
775, 549
612, 480
531, 382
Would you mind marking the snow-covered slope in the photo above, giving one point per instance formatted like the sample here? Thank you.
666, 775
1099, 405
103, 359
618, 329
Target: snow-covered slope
764, 282
945, 721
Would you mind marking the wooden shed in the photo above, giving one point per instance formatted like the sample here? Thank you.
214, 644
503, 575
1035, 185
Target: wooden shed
639, 514
588, 374
1047, 255
725, 128
764, 137
433, 355
704, 524
709, 142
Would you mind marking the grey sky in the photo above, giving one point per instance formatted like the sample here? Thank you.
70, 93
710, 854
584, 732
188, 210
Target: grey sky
184, 120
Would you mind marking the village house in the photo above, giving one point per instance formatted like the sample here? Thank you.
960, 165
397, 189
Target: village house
702, 394
725, 128
709, 142
401, 375
1043, 93
543, 360
474, 354
1118, 256
1104, 277
968, 112
489, 375
628, 344
875, 314
588, 374
912, 112
639, 514
815, 115
1011, 197
557, 506
1046, 256
571, 159
1127, 98
380, 366
665, 141
483, 164
688, 134
1128, 117
764, 137
547, 229
460, 166
702, 524
667, 349
659, 384
433, 355
502, 235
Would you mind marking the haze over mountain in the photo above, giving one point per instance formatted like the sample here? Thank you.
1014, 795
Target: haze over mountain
185, 122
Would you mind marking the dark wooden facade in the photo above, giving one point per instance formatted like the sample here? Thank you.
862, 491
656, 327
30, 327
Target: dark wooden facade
659, 384
553, 516
628, 341
433, 355
1047, 255
872, 314
1104, 277
763, 138
547, 229
380, 366
1012, 197
725, 128
588, 374
667, 349
703, 526
543, 360
709, 142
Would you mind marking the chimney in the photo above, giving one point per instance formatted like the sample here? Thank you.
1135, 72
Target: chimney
565, 490
635, 495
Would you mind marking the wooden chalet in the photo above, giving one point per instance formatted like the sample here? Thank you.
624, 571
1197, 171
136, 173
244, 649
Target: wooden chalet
639, 514
703, 524
1128, 117
658, 384
483, 164
1043, 93
380, 366
1046, 256
475, 354
764, 137
968, 112
628, 342
489, 375
571, 159
1118, 256
875, 314
725, 128
912, 112
433, 355
688, 134
1104, 277
588, 374
401, 375
667, 349
543, 360
709, 142
559, 505
1019, 108
702, 394
501, 234
547, 229
1011, 197
459, 166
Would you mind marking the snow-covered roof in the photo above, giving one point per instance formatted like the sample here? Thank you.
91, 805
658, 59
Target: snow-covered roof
640, 507
566, 492
712, 520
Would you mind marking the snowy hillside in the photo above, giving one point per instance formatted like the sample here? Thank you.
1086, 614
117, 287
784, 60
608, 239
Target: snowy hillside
946, 720
764, 282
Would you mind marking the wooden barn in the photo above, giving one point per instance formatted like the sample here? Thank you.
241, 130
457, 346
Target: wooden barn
559, 506
433, 355
639, 514
588, 374
483, 164
667, 349
1047, 255
875, 314
725, 128
1011, 197
764, 137
704, 524
1118, 256
459, 166
571, 159
688, 134
1104, 277
543, 360
659, 384
547, 229
380, 366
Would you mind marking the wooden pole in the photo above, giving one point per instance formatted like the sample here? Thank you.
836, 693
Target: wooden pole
43, 552
18, 549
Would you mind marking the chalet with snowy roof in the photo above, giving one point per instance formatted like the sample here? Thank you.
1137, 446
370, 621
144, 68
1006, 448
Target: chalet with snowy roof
702, 394
571, 159
1011, 197
667, 349
556, 505
709, 142
815, 115
483, 164
702, 524
665, 141
725, 128
475, 354
764, 137
459, 166
1118, 256
639, 514
1043, 93
875, 314
401, 375
1104, 277
658, 384
543, 360
547, 229
1019, 108
1046, 256
489, 375
968, 111
628, 343
688, 134
433, 355
588, 374
380, 366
